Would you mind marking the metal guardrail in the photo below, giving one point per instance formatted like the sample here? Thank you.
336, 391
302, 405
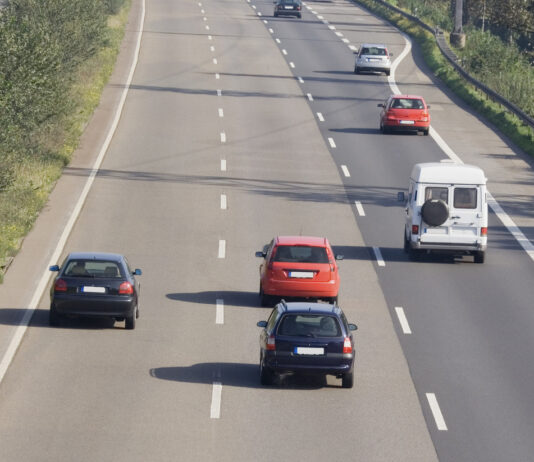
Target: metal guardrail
453, 59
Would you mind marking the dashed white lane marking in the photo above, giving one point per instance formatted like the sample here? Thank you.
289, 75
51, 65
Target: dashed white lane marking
216, 394
292, 65
325, 22
200, 4
202, 11
219, 311
271, 31
345, 171
217, 76
402, 320
214, 60
332, 27
221, 112
224, 204
332, 142
259, 13
320, 117
223, 137
210, 37
379, 260
204, 18
284, 52
310, 97
212, 48
313, 12
207, 27
359, 208
436, 411
219, 92
20, 330
277, 40
222, 249
265, 21
345, 40
320, 17
254, 6
301, 80
223, 165
339, 34
353, 48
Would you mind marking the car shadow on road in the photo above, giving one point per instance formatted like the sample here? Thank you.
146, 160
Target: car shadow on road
393, 254
235, 375
230, 297
14, 317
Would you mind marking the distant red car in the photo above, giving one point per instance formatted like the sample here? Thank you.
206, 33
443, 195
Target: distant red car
405, 113
298, 267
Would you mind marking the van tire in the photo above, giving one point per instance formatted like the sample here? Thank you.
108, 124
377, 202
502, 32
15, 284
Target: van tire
435, 212
480, 256
406, 244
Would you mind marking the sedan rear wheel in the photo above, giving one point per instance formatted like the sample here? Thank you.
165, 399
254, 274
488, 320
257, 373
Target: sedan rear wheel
54, 319
266, 375
347, 381
130, 320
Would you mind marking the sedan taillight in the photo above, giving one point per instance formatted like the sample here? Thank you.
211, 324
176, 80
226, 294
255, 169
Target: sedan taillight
126, 288
270, 343
60, 286
347, 345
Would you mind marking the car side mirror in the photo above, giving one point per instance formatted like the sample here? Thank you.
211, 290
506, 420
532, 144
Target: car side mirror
391, 54
260, 254
339, 257
428, 106
353, 327
381, 105
54, 268
262, 324
137, 272
401, 197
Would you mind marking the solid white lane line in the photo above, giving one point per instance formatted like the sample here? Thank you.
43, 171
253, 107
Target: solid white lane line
320, 117
301, 80
222, 249
221, 112
379, 260
332, 142
436, 411
292, 65
214, 60
284, 52
345, 171
219, 312
223, 202
43, 282
359, 208
219, 92
223, 165
310, 97
223, 137
217, 76
216, 393
402, 320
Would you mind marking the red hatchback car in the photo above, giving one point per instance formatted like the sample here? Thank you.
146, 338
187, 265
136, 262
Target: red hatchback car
298, 267
404, 113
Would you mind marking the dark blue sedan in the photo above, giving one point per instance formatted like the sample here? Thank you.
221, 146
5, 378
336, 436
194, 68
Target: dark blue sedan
310, 338
95, 285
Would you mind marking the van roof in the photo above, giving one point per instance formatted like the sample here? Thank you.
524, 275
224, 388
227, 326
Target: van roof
447, 173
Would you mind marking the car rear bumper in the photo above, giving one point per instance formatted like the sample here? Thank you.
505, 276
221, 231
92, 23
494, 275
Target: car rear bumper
397, 126
300, 289
378, 67
287, 12
341, 365
453, 247
76, 305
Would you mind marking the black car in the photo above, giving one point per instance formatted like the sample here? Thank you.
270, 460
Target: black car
310, 338
287, 8
95, 285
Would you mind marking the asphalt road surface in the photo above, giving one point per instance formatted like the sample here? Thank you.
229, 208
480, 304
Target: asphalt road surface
237, 127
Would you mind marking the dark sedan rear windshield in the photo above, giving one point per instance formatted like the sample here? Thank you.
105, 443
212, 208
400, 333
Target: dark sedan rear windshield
92, 268
301, 254
309, 325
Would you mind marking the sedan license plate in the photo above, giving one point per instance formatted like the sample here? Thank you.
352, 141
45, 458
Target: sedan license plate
308, 351
301, 274
93, 290
288, 7
407, 122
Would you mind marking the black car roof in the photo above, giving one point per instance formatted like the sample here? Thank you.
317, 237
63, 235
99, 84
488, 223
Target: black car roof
95, 256
309, 308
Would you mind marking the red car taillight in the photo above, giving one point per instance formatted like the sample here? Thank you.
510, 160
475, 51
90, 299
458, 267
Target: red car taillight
270, 343
60, 286
484, 231
415, 229
347, 345
126, 288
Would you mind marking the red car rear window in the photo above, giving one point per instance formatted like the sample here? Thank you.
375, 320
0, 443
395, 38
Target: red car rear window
301, 254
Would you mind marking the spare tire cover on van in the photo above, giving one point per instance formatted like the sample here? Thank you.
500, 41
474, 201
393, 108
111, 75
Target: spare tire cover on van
435, 212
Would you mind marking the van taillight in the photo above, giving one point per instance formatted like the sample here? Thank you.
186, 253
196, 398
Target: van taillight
347, 345
415, 229
484, 231
270, 343
60, 286
126, 288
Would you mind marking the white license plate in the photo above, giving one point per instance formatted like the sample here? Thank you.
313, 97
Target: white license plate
374, 59
301, 274
407, 122
93, 290
288, 7
309, 351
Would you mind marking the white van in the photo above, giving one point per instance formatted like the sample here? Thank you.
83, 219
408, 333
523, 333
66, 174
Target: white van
446, 210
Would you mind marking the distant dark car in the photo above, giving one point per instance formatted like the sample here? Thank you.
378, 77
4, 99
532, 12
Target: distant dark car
310, 338
95, 285
287, 8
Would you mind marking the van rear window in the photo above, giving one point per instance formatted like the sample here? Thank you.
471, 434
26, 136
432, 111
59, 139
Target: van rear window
465, 198
437, 193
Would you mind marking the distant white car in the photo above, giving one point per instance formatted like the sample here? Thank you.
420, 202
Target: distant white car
446, 210
373, 58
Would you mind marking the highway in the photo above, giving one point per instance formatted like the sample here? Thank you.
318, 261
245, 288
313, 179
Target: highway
238, 126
